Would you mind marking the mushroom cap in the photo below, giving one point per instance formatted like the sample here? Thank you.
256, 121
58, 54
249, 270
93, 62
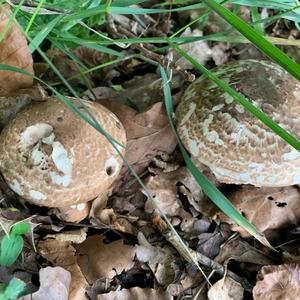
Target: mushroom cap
236, 146
51, 157
74, 213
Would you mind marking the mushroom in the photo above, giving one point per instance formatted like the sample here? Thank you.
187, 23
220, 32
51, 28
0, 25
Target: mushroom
236, 146
74, 213
51, 157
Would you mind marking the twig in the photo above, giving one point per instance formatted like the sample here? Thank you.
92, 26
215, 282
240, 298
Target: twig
202, 259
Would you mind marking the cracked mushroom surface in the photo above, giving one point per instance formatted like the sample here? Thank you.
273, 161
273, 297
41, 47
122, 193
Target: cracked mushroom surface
237, 147
51, 157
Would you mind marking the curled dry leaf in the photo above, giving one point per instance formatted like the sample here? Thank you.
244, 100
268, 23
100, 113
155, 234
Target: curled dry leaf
62, 253
135, 294
13, 52
199, 50
167, 186
159, 260
164, 190
226, 289
148, 134
97, 259
54, 285
110, 219
266, 208
278, 283
242, 252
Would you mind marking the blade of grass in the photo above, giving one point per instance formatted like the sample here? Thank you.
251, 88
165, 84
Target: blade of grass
258, 40
39, 6
243, 101
39, 38
209, 189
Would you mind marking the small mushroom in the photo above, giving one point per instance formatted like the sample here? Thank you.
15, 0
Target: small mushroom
51, 157
236, 146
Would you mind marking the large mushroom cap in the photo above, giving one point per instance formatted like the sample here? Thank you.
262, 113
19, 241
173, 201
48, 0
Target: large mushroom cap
51, 157
236, 146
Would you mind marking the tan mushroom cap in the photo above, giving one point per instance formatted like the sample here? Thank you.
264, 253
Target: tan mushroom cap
51, 157
236, 146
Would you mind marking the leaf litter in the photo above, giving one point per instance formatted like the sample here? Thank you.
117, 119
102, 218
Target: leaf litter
118, 247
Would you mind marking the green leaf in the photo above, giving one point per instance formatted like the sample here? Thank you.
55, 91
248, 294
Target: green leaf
208, 188
13, 289
20, 228
39, 38
10, 249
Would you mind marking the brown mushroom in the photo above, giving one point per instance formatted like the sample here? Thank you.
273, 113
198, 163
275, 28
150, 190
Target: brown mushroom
51, 157
236, 146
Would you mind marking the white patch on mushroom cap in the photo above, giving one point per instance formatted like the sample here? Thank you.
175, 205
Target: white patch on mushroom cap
37, 155
218, 107
228, 99
296, 94
80, 206
191, 143
240, 108
32, 134
63, 163
49, 139
36, 195
291, 155
192, 107
120, 148
296, 178
111, 166
258, 167
212, 136
16, 187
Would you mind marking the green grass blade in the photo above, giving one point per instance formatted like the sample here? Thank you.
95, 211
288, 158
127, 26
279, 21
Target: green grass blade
39, 38
257, 39
39, 6
243, 101
208, 188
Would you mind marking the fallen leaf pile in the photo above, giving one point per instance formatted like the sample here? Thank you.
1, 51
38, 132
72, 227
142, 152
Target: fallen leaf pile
112, 247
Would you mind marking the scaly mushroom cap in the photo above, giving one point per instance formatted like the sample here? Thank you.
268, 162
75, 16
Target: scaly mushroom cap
236, 146
51, 157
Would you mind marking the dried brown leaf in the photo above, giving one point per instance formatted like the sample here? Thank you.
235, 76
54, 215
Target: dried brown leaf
226, 289
148, 134
135, 294
54, 285
198, 50
241, 251
266, 208
97, 259
278, 283
62, 253
14, 52
166, 187
159, 260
